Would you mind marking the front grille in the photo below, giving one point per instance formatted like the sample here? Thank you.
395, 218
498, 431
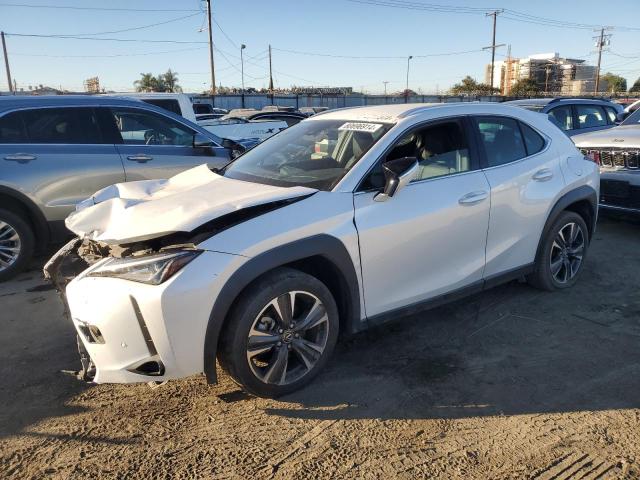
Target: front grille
618, 157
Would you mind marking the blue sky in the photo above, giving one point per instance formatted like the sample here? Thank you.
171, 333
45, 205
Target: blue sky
332, 27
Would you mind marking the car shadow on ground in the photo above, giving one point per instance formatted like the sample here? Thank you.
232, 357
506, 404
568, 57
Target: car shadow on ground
508, 351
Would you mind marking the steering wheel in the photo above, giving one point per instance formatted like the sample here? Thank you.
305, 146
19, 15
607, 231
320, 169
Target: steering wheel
150, 137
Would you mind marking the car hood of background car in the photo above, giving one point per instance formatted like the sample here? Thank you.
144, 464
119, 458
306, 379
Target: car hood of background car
623, 136
142, 210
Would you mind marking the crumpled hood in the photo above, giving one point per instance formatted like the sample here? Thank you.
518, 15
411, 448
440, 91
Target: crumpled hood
136, 211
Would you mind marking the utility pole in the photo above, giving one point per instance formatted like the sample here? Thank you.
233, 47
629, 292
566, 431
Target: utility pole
213, 75
406, 91
6, 64
385, 87
270, 76
242, 47
493, 46
601, 41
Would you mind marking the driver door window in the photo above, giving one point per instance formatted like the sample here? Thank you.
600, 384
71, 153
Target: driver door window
140, 127
441, 149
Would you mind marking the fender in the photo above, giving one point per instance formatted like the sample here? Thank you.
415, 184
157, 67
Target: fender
583, 192
323, 245
36, 217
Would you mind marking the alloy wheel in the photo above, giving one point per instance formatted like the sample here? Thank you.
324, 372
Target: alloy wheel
9, 245
567, 252
287, 338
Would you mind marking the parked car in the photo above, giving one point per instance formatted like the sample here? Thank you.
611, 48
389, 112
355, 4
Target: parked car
308, 111
631, 108
290, 118
575, 115
617, 150
263, 264
56, 151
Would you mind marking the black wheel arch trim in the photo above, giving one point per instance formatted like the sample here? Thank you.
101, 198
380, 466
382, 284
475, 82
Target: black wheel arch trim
323, 245
36, 217
581, 193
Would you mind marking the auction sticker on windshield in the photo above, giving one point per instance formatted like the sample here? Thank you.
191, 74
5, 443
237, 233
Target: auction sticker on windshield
361, 127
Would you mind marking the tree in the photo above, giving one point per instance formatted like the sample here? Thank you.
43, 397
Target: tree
147, 83
525, 87
615, 83
468, 86
165, 82
170, 81
635, 88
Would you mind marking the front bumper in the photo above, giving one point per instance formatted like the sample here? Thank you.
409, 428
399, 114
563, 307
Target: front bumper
135, 332
620, 190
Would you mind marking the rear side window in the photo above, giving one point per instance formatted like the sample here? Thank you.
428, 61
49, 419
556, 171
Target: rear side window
612, 114
590, 116
501, 139
563, 117
71, 125
168, 104
12, 129
532, 139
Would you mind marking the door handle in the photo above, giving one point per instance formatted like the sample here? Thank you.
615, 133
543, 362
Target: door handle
473, 197
20, 157
543, 175
140, 158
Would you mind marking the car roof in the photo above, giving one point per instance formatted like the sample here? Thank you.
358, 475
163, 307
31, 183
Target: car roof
10, 102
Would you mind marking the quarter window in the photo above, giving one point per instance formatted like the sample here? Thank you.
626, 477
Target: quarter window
563, 117
139, 127
12, 129
501, 139
532, 139
77, 125
612, 114
590, 116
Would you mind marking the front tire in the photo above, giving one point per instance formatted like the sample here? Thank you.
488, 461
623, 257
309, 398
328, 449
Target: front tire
280, 334
562, 255
16, 244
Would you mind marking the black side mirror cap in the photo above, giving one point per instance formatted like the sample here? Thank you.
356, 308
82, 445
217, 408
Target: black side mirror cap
397, 173
201, 141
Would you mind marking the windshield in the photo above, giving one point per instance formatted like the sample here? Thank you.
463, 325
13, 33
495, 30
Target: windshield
313, 153
633, 119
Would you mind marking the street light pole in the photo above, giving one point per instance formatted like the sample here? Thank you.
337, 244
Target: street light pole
406, 91
242, 47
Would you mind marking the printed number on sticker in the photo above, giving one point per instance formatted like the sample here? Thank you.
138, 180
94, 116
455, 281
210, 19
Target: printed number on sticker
360, 127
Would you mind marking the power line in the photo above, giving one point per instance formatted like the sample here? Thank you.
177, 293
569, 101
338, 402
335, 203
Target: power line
141, 54
375, 57
509, 14
78, 37
137, 28
63, 7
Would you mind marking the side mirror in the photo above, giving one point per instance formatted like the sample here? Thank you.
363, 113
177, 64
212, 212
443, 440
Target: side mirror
620, 118
228, 144
397, 174
200, 141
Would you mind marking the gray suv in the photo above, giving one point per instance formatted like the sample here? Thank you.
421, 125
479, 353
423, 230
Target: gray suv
575, 115
57, 151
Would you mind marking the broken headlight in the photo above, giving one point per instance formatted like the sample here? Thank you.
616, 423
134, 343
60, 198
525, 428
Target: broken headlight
151, 269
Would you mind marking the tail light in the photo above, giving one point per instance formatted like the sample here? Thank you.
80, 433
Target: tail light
594, 156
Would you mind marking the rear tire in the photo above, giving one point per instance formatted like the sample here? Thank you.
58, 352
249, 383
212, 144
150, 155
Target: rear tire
562, 253
271, 352
16, 244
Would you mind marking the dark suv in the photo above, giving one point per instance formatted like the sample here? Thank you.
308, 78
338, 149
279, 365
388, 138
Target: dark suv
575, 115
57, 151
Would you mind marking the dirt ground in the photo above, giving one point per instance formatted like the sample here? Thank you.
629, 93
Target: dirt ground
511, 383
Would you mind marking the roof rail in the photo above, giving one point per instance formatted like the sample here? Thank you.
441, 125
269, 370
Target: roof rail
579, 97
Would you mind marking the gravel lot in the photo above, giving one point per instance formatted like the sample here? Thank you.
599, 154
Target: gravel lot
511, 383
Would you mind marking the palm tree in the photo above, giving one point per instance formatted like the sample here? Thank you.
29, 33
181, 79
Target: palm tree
147, 83
170, 81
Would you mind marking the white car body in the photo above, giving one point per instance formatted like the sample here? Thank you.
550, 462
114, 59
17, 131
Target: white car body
436, 239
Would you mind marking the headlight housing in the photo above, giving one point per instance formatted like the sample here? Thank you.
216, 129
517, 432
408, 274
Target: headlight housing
151, 269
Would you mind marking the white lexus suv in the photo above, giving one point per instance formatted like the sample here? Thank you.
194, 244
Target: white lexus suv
349, 219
